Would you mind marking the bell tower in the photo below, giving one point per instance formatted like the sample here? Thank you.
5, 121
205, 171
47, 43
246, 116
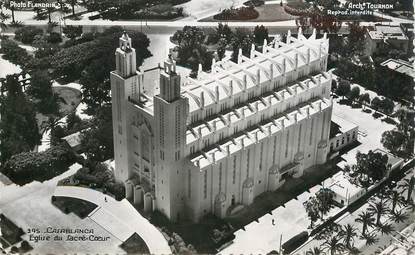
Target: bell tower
126, 84
170, 115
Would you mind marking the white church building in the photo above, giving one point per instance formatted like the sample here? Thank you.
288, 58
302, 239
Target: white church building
189, 147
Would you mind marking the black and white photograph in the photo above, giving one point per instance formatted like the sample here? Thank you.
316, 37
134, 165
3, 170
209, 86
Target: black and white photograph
229, 127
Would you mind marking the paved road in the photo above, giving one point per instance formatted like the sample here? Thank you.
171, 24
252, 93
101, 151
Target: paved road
119, 218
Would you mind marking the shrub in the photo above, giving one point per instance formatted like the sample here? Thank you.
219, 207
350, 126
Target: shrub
54, 38
27, 34
242, 13
13, 53
117, 189
26, 167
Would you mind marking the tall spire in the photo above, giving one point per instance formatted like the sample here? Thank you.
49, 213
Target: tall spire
125, 57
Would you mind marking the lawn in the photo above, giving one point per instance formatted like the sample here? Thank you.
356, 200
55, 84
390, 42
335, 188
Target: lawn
11, 233
267, 13
135, 245
79, 207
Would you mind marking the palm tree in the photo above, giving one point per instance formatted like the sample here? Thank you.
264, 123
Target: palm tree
370, 238
354, 251
366, 219
386, 229
398, 216
396, 199
334, 245
12, 9
315, 251
348, 233
408, 186
378, 209
3, 18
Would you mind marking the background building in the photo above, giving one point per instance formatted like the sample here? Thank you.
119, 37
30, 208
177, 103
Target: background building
385, 33
211, 144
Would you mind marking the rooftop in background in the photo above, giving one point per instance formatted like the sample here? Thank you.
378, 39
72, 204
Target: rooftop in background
400, 66
340, 126
404, 246
340, 184
385, 31
392, 160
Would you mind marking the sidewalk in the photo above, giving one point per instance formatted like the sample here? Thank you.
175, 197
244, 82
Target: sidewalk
119, 218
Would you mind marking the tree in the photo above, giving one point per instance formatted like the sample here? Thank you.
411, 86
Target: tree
393, 140
18, 127
242, 40
387, 106
12, 8
354, 93
41, 90
72, 3
386, 228
260, 34
303, 22
356, 38
323, 22
396, 199
370, 167
189, 37
378, 209
97, 141
348, 233
408, 186
27, 34
376, 103
406, 119
343, 88
370, 238
3, 18
221, 48
334, 245
72, 32
364, 99
398, 216
224, 31
312, 209
325, 200
315, 251
366, 219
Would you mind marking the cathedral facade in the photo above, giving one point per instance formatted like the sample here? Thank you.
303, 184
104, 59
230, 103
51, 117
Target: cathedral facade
188, 147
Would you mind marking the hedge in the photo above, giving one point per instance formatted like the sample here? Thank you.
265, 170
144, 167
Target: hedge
26, 167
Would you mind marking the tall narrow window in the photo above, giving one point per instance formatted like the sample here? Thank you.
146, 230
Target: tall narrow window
311, 131
299, 137
247, 163
275, 150
261, 156
286, 143
161, 126
189, 186
323, 126
234, 170
220, 177
205, 184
